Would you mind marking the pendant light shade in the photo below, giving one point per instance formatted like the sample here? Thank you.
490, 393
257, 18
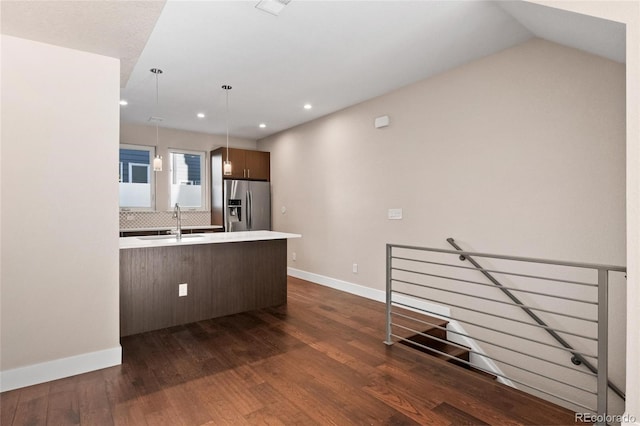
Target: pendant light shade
157, 163
227, 168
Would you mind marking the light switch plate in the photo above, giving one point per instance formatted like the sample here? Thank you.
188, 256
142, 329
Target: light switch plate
380, 122
394, 214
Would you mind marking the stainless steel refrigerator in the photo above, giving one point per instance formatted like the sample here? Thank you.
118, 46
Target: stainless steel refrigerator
247, 205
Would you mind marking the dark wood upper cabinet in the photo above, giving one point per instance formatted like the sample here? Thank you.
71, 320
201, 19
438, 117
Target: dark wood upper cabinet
237, 159
257, 164
245, 164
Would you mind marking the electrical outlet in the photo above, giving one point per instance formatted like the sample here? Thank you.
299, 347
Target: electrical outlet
355, 268
182, 290
293, 256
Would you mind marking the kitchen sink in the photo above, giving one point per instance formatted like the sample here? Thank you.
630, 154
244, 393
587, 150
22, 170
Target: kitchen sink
170, 237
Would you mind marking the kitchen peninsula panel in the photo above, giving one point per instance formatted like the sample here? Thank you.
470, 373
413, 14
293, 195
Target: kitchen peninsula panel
222, 279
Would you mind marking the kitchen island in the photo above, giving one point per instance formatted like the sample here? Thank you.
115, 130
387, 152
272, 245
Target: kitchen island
224, 273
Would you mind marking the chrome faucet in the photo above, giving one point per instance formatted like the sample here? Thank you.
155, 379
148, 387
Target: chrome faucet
176, 216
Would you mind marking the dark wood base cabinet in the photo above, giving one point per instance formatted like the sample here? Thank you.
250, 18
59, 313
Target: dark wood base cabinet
222, 279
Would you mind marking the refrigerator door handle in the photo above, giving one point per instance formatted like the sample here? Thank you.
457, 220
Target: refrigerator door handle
250, 210
248, 213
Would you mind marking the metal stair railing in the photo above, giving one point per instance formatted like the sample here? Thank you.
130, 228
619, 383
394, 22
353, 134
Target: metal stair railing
423, 292
576, 358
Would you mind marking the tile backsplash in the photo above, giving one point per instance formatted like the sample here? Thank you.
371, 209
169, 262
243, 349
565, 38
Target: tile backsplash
137, 220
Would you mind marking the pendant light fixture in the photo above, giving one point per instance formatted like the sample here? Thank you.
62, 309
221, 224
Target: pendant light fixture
157, 161
226, 169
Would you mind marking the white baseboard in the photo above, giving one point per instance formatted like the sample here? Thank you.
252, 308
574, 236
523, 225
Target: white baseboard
59, 368
358, 290
369, 293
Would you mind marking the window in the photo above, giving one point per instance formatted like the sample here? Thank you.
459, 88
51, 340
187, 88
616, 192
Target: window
187, 179
139, 173
136, 189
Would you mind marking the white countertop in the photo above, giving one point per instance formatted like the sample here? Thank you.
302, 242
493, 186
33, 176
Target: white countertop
209, 238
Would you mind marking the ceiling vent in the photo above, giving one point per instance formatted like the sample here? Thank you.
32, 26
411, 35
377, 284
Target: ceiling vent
274, 7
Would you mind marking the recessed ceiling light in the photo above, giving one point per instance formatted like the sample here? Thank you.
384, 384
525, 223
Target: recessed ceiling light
201, 115
307, 106
262, 125
123, 102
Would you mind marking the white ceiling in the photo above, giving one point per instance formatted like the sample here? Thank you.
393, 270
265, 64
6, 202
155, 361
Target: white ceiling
331, 54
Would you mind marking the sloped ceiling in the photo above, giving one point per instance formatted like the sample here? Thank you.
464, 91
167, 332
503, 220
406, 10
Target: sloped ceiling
331, 54
597, 36
118, 29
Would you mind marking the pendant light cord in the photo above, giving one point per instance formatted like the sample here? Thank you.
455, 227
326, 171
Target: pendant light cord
156, 72
227, 120
226, 88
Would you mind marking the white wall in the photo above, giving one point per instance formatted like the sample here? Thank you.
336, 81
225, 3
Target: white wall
629, 13
60, 307
521, 152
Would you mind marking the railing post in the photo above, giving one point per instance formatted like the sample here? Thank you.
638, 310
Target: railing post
388, 291
603, 330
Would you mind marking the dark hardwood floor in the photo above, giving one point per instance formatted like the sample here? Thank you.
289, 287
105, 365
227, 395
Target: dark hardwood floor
317, 360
